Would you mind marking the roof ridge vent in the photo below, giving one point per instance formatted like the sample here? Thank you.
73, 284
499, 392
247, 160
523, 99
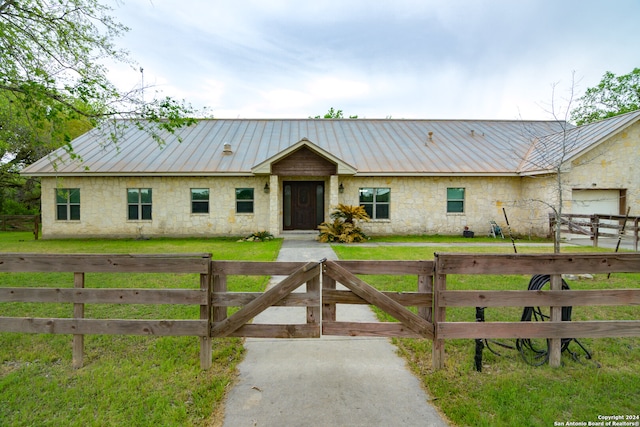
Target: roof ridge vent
227, 148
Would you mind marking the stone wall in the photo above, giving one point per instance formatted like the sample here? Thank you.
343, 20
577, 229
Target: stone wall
419, 204
612, 165
103, 210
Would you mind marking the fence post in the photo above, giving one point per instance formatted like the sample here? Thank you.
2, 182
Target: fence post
205, 314
36, 226
219, 285
313, 312
328, 310
425, 285
595, 221
439, 315
78, 313
555, 344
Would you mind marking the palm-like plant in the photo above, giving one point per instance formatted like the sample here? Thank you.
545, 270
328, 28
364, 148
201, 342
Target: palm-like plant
343, 229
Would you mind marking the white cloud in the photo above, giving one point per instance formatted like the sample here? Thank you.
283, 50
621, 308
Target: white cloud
407, 58
337, 88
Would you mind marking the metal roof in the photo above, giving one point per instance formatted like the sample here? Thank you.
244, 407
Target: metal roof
372, 147
549, 152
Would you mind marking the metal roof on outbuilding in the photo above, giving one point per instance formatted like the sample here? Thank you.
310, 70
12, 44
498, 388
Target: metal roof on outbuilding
370, 146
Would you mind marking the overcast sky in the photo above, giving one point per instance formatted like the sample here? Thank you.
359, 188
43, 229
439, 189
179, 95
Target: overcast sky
431, 59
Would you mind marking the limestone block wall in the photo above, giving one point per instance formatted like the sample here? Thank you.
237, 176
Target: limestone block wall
419, 205
612, 165
103, 207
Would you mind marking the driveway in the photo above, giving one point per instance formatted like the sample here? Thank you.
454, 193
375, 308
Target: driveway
331, 381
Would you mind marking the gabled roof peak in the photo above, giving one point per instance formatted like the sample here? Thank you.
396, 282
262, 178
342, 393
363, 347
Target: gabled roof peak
342, 167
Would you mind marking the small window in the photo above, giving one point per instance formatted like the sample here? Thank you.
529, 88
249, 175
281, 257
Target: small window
68, 204
199, 200
244, 200
455, 200
139, 203
376, 202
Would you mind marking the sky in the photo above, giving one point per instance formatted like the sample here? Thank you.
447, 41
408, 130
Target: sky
400, 59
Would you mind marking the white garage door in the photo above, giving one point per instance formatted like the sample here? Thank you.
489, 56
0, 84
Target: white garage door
602, 202
589, 202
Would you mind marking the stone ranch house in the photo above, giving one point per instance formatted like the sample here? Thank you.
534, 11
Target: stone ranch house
224, 177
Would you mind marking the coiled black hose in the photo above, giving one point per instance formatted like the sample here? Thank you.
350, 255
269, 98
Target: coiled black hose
534, 352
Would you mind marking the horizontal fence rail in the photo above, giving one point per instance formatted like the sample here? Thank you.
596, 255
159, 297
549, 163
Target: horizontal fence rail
552, 264
320, 296
21, 223
624, 228
79, 295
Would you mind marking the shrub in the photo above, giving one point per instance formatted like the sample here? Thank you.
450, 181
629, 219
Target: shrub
343, 229
258, 236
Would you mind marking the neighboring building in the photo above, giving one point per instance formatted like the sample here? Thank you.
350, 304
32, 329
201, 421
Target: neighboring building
234, 177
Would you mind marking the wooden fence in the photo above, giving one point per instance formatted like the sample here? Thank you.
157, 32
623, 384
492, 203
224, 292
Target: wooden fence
79, 295
598, 225
21, 223
431, 299
552, 264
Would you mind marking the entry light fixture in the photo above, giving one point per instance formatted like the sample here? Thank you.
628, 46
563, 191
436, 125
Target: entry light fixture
266, 188
341, 188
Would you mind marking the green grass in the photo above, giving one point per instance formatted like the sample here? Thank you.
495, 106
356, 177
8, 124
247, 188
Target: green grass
478, 238
139, 380
508, 391
126, 380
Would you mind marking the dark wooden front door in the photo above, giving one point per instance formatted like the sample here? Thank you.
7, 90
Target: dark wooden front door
303, 204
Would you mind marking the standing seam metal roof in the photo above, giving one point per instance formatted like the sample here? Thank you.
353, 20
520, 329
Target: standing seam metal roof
373, 147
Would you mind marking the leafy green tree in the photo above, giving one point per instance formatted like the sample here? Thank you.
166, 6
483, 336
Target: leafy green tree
23, 140
334, 114
54, 86
51, 66
614, 95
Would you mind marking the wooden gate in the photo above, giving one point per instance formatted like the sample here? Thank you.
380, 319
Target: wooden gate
321, 302
253, 303
394, 303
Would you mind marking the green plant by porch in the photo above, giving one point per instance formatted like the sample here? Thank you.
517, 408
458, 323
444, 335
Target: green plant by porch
343, 229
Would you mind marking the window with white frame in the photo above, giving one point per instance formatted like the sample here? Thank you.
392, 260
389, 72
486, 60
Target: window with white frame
139, 204
244, 200
455, 200
199, 200
68, 204
376, 202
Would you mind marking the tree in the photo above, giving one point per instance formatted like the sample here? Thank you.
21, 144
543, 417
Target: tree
550, 153
51, 67
23, 140
614, 95
54, 86
334, 114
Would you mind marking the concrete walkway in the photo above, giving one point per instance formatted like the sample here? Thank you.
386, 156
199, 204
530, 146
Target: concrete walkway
331, 381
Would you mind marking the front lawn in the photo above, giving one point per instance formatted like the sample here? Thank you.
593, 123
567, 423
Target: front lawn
139, 380
126, 380
508, 391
